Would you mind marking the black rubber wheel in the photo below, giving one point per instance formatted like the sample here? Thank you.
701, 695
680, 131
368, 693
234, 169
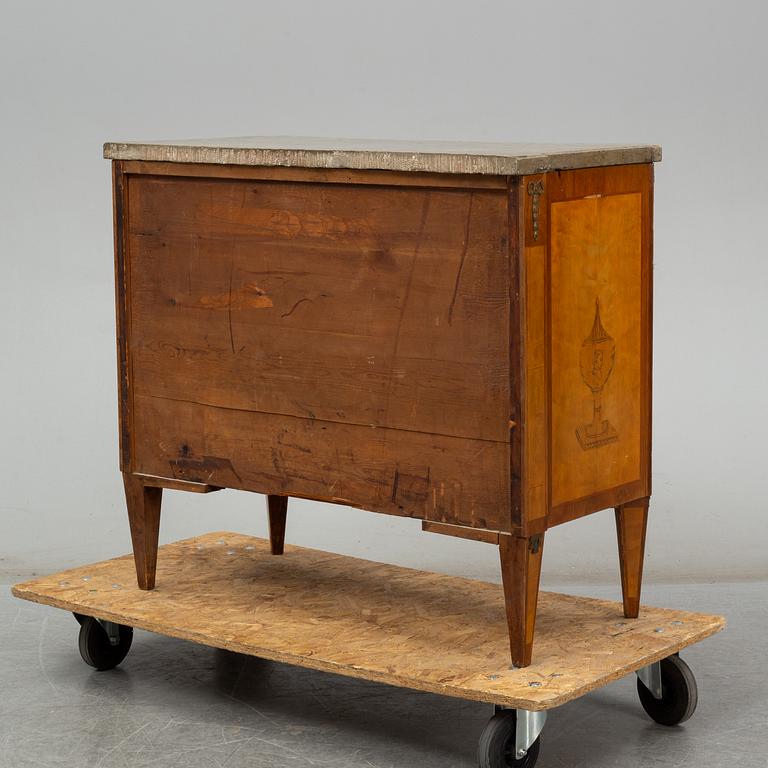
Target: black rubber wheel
95, 647
79, 618
497, 744
679, 694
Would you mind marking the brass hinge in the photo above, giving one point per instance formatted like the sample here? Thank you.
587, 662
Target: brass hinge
535, 190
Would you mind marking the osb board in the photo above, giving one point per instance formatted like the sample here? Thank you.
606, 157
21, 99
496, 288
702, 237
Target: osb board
419, 156
395, 625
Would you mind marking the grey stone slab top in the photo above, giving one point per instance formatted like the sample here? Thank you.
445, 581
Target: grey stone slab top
360, 154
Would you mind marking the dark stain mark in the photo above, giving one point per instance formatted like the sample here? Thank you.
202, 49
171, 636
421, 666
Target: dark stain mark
394, 486
383, 259
201, 469
410, 492
276, 462
300, 448
291, 310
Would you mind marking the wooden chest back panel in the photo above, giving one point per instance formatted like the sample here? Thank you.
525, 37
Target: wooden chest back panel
340, 342
375, 306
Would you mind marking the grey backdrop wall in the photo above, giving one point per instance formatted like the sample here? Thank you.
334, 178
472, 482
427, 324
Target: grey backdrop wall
690, 76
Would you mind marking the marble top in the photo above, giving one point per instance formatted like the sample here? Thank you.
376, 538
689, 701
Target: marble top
391, 155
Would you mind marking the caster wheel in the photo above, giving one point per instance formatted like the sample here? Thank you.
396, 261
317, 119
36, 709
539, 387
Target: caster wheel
80, 619
679, 693
497, 744
95, 646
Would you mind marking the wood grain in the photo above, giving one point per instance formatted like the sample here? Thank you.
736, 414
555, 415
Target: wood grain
383, 470
372, 306
399, 626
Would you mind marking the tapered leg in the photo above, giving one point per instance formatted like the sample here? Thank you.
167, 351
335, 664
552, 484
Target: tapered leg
520, 572
631, 521
144, 518
278, 509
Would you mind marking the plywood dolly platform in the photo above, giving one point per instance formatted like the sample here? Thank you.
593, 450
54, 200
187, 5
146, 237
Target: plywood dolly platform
384, 623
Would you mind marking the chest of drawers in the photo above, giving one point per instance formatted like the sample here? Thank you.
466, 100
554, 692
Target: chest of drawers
455, 333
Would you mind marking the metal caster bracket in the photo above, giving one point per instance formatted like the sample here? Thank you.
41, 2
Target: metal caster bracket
112, 630
650, 677
528, 728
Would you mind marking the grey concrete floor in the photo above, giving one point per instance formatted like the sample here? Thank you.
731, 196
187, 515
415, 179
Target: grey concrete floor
176, 704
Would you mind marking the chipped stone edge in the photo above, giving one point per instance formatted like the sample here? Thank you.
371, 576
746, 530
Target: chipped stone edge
422, 162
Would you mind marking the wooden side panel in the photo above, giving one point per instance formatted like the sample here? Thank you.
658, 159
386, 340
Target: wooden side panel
445, 479
599, 327
120, 216
534, 361
354, 304
596, 344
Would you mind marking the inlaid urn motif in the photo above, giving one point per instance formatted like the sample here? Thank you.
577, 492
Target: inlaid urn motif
598, 352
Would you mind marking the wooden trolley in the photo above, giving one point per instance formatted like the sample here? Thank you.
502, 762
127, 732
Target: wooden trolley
399, 626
